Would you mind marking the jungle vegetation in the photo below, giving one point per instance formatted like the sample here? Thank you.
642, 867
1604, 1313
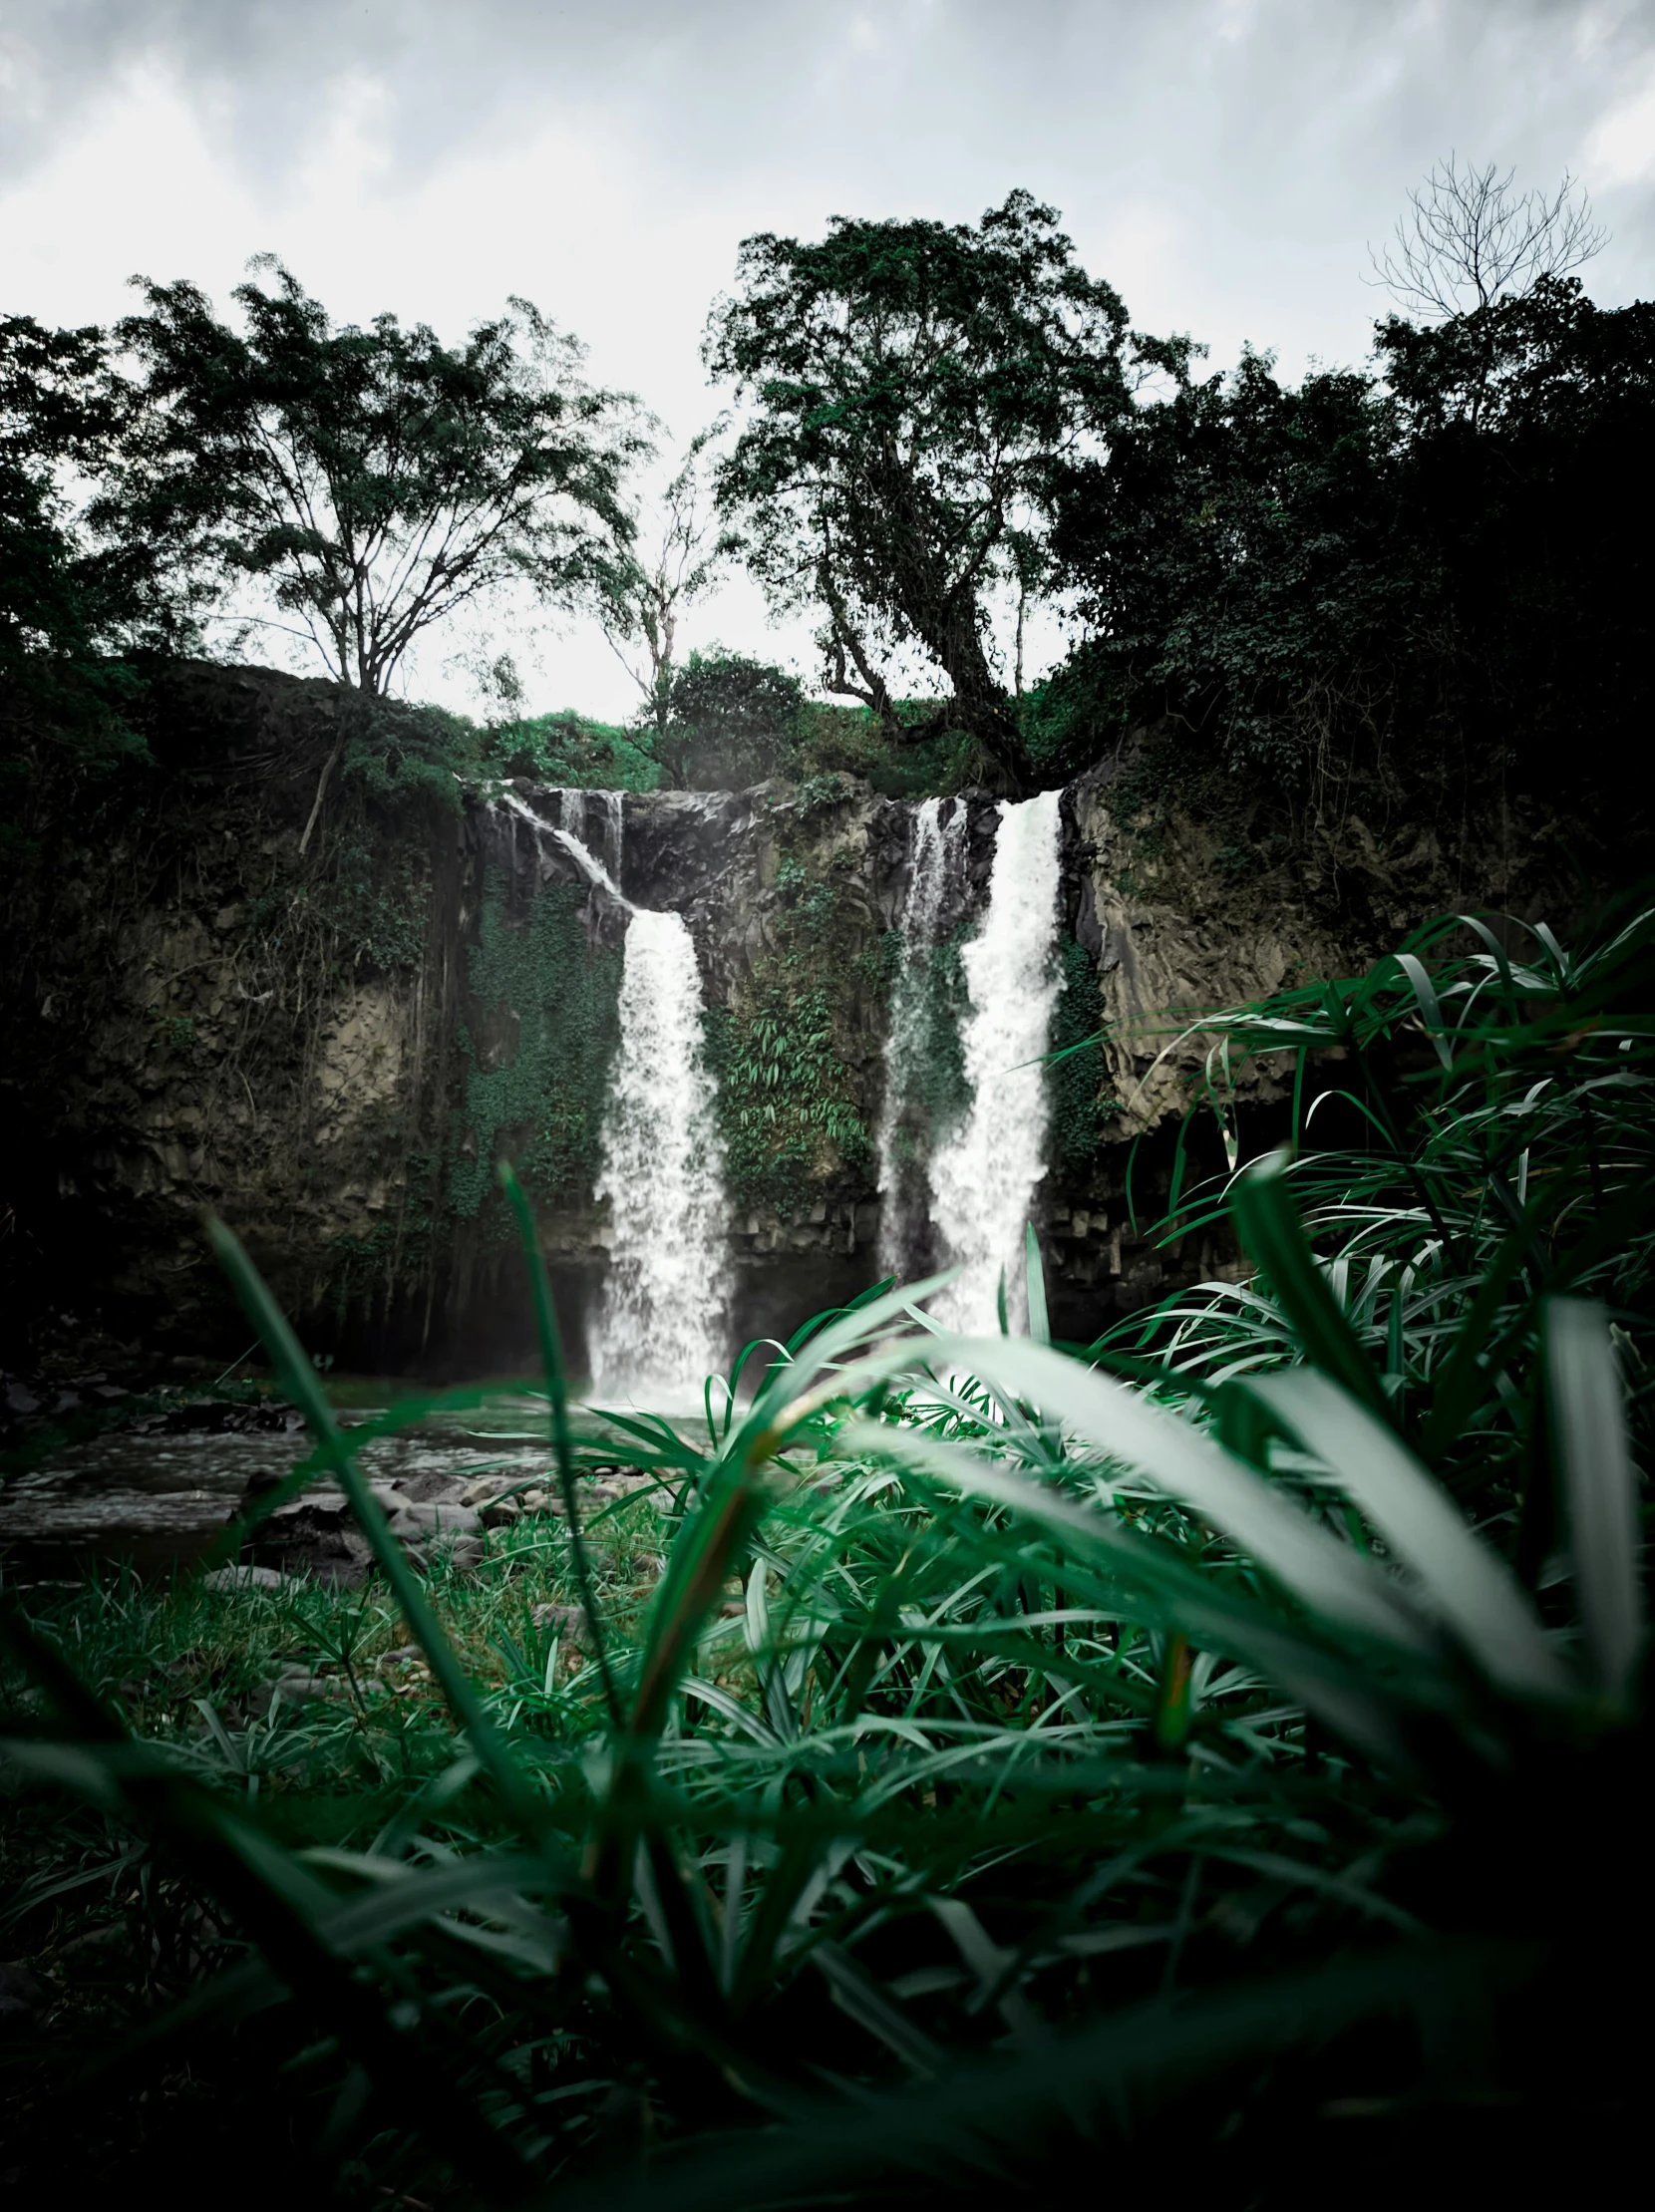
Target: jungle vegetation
1205, 1761
1214, 1750
1425, 557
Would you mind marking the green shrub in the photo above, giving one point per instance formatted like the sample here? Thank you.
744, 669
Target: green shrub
572, 751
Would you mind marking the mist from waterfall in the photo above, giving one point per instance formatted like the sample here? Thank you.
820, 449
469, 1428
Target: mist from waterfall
911, 1043
983, 1177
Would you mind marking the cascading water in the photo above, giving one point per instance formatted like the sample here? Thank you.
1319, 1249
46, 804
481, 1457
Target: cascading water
911, 1043
659, 1329
983, 1177
589, 865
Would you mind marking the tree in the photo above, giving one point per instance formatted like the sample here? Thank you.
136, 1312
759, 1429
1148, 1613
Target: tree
1379, 572
1237, 558
66, 609
642, 602
915, 387
733, 720
374, 480
1526, 465
1467, 238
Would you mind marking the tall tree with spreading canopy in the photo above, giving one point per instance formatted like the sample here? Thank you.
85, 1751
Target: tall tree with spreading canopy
912, 389
371, 482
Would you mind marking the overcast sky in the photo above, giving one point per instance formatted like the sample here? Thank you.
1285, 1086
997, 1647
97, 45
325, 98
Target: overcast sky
1223, 162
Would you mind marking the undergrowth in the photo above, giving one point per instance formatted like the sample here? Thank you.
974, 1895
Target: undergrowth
1213, 1758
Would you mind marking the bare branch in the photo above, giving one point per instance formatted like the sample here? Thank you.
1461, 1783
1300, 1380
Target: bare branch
1469, 238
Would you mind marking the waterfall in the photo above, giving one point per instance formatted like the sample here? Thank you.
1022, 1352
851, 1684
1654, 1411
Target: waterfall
660, 1328
614, 829
660, 1325
906, 1133
587, 861
983, 1177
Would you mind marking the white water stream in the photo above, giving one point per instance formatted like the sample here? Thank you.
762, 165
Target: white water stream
660, 1325
659, 1329
983, 1177
904, 1197
589, 865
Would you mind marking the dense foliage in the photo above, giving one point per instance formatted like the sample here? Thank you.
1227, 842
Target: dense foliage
376, 480
538, 1055
1423, 568
65, 608
789, 1097
572, 751
1217, 1753
913, 385
1429, 557
730, 721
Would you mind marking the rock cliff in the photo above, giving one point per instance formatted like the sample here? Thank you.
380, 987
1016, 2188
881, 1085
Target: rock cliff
330, 1038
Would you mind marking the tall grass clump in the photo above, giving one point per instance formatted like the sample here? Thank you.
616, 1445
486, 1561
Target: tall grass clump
1208, 1764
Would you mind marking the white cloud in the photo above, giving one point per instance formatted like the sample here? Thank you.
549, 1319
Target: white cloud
1222, 161
1621, 148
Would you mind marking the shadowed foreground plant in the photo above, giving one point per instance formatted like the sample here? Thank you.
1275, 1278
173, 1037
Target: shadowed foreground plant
1017, 1766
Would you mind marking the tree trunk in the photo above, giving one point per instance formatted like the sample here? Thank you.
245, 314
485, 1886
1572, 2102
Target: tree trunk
980, 704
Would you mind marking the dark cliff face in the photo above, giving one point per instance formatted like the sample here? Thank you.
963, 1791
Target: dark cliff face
333, 1047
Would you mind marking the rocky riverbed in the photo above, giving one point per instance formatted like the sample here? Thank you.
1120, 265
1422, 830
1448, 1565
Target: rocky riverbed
164, 1491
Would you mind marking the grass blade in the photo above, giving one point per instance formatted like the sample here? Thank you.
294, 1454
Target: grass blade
552, 1360
1472, 1587
1181, 1460
1040, 1327
1274, 1233
1588, 1437
299, 1378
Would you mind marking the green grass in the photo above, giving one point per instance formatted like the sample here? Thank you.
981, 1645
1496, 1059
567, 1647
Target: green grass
1215, 1761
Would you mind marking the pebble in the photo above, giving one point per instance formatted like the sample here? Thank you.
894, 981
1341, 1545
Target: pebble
244, 1578
294, 1684
412, 1518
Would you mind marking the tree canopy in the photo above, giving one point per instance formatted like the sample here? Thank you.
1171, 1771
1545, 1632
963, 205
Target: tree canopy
66, 608
914, 389
732, 721
372, 481
1435, 554
645, 596
1432, 551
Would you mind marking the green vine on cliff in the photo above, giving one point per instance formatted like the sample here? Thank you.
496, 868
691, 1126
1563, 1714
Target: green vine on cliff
545, 1030
790, 1102
1078, 1106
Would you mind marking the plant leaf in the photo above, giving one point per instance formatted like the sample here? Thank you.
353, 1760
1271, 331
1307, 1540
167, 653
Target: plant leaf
1040, 1327
1323, 1574
1589, 1436
1471, 1587
1274, 1233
